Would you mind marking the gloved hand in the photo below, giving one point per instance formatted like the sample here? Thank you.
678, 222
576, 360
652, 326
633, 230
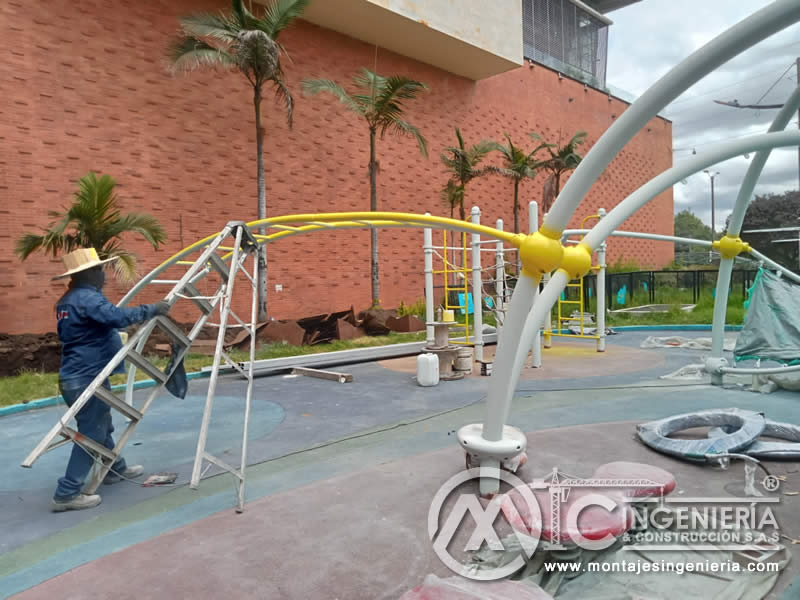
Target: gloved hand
162, 308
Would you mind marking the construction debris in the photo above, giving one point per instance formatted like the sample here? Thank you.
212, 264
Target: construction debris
320, 374
375, 320
282, 332
160, 479
676, 341
326, 328
405, 324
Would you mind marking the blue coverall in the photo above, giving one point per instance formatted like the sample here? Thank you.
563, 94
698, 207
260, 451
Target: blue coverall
87, 328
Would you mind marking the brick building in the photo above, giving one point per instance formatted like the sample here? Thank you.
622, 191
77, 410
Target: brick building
85, 87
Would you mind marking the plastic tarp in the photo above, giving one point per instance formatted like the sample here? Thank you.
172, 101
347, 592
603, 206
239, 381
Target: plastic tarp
772, 324
458, 588
660, 583
676, 341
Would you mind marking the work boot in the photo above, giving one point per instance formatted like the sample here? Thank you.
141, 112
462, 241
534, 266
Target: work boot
128, 473
79, 502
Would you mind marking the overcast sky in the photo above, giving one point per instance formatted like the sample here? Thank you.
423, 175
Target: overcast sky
650, 37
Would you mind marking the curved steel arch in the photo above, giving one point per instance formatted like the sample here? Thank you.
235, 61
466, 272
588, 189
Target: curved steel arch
528, 316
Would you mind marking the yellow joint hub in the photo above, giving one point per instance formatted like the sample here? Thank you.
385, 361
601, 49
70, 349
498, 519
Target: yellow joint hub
731, 247
577, 261
540, 252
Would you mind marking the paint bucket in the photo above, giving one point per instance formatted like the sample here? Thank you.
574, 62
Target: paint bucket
463, 360
427, 369
448, 316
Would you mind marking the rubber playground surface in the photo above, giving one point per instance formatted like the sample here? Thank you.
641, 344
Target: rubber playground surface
342, 476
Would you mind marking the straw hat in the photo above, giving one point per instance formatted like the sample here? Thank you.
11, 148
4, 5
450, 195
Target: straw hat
80, 260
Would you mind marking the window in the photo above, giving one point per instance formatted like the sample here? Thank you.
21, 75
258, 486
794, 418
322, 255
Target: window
563, 36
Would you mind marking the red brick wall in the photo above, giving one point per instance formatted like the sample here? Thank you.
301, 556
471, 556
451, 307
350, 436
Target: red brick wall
85, 88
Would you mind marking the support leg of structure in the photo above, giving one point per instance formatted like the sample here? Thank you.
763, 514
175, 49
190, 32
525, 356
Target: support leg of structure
734, 229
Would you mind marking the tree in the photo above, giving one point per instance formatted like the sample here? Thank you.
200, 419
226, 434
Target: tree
245, 42
562, 160
462, 162
517, 165
380, 101
94, 220
770, 212
688, 225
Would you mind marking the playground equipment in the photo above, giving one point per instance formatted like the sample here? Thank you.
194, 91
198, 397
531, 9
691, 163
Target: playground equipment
472, 294
565, 325
542, 252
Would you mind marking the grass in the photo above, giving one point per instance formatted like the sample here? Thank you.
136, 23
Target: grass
32, 385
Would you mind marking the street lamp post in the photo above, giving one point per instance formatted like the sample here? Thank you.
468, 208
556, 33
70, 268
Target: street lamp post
711, 176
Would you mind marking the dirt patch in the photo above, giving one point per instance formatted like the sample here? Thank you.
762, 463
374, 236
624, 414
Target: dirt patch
42, 352
34, 352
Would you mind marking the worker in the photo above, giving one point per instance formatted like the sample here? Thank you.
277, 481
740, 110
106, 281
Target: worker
87, 328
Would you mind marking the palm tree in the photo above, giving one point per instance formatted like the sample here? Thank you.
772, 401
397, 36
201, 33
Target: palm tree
249, 44
94, 221
517, 166
462, 163
562, 160
380, 101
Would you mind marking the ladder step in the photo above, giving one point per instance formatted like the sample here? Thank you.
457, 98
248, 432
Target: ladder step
570, 301
190, 290
146, 366
222, 464
220, 266
89, 443
114, 401
174, 331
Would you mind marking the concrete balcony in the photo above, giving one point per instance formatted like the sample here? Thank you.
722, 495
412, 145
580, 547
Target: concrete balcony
472, 38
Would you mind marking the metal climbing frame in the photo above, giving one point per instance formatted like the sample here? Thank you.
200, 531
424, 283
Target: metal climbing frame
184, 288
565, 322
456, 282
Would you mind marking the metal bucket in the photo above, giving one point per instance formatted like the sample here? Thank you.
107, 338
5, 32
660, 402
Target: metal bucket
463, 361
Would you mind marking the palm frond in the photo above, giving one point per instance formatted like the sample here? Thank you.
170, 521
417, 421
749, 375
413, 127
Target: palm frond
369, 81
395, 89
28, 244
577, 139
189, 53
543, 145
312, 87
243, 17
125, 265
502, 171
279, 15
405, 128
482, 148
453, 194
460, 139
217, 27
282, 93
144, 224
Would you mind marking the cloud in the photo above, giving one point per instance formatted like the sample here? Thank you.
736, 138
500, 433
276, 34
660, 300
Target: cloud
646, 41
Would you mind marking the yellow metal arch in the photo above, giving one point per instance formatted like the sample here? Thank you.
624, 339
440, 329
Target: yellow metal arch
290, 225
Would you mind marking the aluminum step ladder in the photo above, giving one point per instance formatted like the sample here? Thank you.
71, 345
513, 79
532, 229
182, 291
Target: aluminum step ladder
245, 245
